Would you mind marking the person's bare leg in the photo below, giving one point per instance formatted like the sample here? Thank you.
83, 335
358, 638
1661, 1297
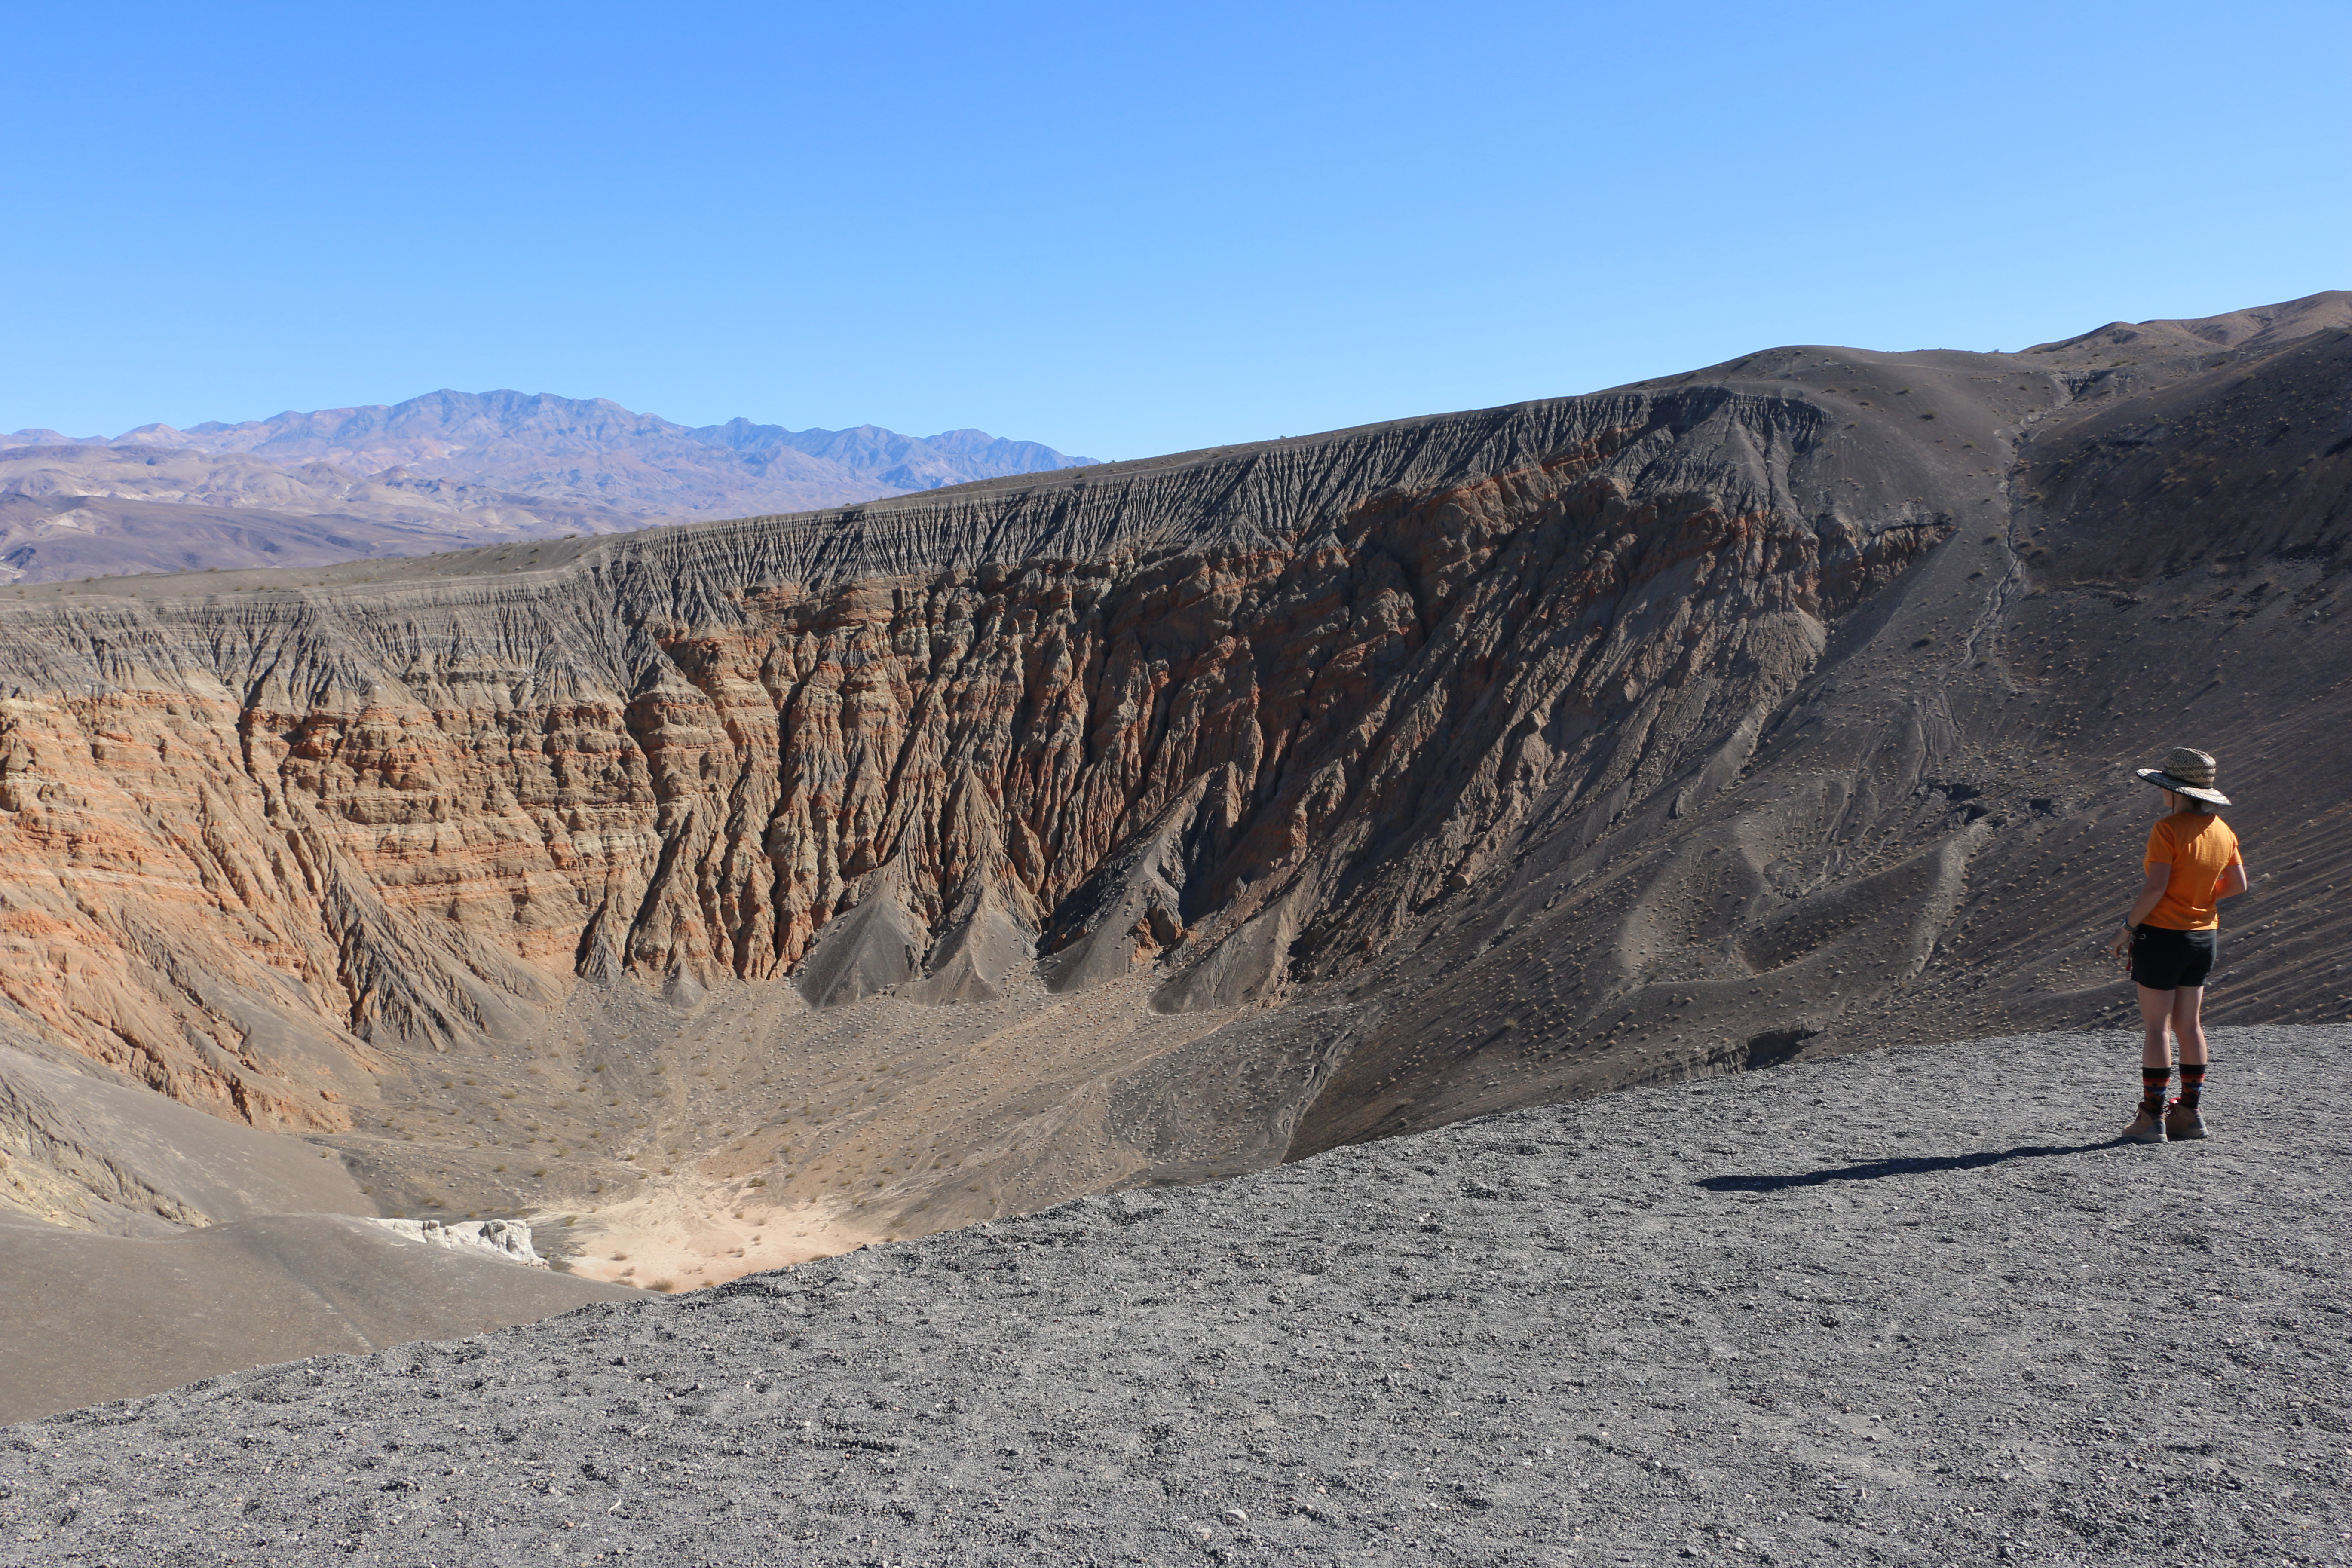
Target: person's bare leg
2155, 1024
2188, 1023
2155, 1066
2186, 1119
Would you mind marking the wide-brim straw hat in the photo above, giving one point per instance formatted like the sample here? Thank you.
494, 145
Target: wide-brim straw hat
2189, 772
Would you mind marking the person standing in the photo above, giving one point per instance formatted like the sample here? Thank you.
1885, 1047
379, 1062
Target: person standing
2192, 863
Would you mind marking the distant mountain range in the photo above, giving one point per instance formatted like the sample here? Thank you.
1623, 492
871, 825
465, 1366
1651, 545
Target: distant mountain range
437, 472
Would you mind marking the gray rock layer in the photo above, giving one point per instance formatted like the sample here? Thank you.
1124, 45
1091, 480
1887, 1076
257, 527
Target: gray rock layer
1910, 1307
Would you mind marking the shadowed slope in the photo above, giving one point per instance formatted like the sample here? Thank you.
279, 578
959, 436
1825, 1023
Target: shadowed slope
1936, 828
91, 1318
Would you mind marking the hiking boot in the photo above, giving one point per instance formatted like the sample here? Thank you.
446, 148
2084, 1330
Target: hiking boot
2146, 1128
2183, 1124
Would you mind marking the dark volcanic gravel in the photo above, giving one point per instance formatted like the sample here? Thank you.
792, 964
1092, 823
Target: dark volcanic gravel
1912, 1308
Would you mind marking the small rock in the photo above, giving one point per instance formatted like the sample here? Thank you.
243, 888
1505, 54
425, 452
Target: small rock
1234, 1515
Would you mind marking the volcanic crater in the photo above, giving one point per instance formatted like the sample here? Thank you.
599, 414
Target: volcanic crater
721, 896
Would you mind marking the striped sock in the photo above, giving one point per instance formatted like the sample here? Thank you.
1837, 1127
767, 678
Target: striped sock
2192, 1084
2153, 1082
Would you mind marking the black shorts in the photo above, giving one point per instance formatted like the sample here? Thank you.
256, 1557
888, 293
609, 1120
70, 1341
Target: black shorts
2167, 959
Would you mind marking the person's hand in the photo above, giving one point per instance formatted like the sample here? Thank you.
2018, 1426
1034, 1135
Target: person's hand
2121, 945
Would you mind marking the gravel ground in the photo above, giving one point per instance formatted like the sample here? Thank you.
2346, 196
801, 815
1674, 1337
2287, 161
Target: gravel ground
1912, 1306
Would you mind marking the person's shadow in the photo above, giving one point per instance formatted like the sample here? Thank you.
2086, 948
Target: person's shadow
1872, 1170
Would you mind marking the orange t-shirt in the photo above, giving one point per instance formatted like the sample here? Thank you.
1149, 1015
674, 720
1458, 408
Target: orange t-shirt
2198, 849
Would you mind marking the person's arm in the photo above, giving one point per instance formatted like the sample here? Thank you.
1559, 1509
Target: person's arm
2153, 883
2232, 883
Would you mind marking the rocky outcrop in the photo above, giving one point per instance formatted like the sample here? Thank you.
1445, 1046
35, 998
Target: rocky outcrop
501, 1239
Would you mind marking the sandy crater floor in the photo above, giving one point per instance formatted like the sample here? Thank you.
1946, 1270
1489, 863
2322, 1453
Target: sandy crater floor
681, 1236
768, 1133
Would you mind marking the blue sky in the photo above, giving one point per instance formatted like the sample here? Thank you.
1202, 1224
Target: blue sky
1122, 230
